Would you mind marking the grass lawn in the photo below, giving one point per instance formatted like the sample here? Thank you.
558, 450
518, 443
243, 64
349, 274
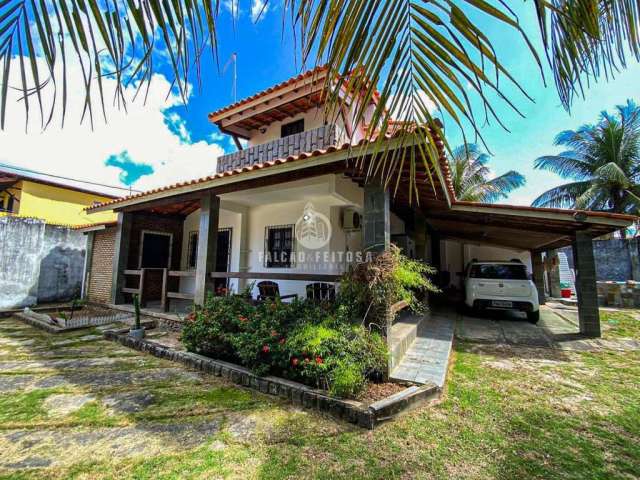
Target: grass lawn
508, 412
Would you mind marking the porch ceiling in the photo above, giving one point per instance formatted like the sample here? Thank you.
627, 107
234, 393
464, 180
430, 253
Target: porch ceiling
525, 230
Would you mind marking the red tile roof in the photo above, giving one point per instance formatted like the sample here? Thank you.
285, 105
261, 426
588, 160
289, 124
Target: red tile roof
292, 80
272, 163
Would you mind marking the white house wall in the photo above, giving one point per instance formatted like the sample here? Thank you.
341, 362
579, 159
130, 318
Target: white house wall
455, 255
192, 223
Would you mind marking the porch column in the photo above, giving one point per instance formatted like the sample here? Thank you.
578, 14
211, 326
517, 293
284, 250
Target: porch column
586, 289
207, 245
553, 272
121, 256
420, 235
538, 275
244, 249
377, 218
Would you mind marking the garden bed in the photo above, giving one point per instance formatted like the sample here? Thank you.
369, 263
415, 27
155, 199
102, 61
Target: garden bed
66, 319
366, 414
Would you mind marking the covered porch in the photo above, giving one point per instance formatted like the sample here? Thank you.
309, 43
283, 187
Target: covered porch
233, 228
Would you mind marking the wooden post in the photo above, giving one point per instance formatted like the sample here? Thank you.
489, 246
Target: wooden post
141, 287
207, 245
164, 305
121, 256
377, 218
586, 288
244, 249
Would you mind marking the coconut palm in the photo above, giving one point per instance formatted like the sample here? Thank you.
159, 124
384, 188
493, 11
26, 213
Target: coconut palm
421, 53
472, 180
603, 161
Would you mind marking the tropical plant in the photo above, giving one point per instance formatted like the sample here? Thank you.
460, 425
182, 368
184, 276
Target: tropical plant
604, 162
301, 340
427, 56
369, 288
472, 180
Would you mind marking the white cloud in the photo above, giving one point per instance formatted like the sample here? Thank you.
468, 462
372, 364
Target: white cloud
233, 7
146, 131
400, 111
259, 9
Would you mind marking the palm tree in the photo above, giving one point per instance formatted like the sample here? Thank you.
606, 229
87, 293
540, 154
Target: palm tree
604, 162
420, 53
471, 176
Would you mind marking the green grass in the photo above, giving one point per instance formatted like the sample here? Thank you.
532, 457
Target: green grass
620, 324
508, 412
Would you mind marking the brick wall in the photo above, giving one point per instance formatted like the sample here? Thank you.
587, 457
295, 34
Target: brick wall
100, 275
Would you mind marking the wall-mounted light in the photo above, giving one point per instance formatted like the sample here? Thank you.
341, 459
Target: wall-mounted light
263, 129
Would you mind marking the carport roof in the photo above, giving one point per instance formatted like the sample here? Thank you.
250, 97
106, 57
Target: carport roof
520, 227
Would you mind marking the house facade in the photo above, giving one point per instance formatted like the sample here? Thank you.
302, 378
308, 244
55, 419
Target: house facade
294, 207
32, 195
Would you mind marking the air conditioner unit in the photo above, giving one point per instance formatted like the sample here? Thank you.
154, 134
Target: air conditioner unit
351, 220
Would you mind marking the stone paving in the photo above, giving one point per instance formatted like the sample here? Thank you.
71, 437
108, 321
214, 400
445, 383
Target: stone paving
427, 359
72, 398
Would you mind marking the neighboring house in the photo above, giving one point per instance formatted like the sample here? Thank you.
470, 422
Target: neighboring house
56, 201
41, 254
292, 207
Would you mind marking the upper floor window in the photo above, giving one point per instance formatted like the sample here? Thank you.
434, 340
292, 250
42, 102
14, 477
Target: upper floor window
292, 128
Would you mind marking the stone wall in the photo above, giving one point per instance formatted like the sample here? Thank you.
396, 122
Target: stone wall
38, 262
616, 259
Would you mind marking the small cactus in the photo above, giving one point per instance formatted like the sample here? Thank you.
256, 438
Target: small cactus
136, 308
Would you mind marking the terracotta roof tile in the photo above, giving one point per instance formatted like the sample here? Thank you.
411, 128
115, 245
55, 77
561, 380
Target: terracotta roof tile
278, 86
271, 163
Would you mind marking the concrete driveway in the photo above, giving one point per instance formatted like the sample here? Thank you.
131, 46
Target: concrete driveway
495, 326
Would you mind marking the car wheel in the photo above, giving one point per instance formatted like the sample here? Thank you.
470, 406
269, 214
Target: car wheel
533, 317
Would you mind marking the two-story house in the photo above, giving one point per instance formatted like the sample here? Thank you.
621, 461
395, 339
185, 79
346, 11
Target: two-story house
291, 208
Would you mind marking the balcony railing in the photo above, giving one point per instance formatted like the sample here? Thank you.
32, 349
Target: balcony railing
318, 138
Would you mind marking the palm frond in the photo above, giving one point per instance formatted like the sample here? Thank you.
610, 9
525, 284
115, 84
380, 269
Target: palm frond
114, 38
563, 196
566, 164
587, 39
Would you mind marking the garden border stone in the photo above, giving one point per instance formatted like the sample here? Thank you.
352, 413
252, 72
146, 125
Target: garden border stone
42, 322
364, 415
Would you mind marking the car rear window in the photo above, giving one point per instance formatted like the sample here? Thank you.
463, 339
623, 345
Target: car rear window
498, 272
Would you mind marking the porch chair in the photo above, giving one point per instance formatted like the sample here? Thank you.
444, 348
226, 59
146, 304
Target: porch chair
269, 290
321, 292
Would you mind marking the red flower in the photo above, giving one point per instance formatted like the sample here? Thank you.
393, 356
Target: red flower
274, 333
265, 348
282, 340
242, 318
319, 360
294, 361
306, 360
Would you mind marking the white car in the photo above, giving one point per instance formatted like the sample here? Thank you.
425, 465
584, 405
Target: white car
501, 286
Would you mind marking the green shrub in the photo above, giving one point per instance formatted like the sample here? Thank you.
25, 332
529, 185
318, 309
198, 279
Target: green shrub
210, 329
300, 340
347, 379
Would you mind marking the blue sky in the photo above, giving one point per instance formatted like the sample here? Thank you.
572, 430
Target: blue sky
266, 57
161, 142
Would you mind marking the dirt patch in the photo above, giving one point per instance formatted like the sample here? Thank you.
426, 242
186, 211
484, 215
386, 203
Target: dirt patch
378, 391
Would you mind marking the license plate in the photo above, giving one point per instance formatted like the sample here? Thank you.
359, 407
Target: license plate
501, 304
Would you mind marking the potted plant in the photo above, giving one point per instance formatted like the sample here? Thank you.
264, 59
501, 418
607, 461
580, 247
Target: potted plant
138, 331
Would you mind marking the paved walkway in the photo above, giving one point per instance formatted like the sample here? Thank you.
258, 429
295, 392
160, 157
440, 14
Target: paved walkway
427, 359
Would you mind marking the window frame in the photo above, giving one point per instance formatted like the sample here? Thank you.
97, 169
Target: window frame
268, 257
300, 121
191, 248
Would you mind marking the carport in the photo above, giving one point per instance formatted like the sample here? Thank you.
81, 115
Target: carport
536, 230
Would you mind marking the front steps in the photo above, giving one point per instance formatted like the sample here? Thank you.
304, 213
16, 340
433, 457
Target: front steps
426, 358
403, 334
